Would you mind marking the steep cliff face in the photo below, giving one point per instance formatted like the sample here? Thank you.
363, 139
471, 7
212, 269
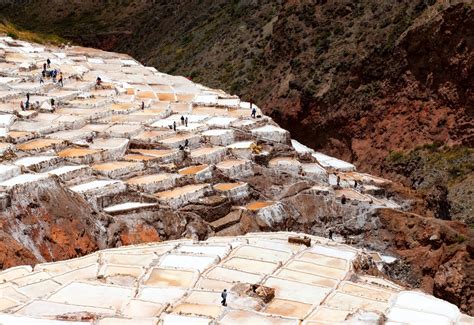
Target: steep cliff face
45, 222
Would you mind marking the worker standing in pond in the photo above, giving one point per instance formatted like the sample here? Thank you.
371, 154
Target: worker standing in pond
224, 297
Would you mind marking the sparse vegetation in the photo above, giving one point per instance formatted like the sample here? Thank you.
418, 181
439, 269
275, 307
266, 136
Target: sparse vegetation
15, 32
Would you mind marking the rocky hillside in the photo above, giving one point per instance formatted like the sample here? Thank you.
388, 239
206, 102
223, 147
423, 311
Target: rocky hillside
360, 80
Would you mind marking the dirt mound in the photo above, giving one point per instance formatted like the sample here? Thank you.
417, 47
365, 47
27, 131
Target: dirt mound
48, 223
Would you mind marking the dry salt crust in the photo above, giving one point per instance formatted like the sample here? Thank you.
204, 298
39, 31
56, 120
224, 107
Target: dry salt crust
86, 143
179, 282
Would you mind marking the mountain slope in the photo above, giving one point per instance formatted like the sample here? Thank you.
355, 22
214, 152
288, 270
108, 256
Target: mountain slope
356, 79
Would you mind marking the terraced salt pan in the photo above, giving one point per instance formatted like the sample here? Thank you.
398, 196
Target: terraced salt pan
288, 308
234, 191
241, 149
331, 162
219, 137
287, 164
116, 169
153, 182
180, 140
163, 156
123, 207
37, 163
208, 155
199, 263
315, 172
192, 127
6, 120
182, 195
81, 155
221, 121
97, 186
152, 136
272, 133
351, 194
220, 251
172, 319
39, 145
249, 318
163, 277
66, 173
235, 168
22, 180
199, 173
104, 296
50, 309
259, 205
8, 171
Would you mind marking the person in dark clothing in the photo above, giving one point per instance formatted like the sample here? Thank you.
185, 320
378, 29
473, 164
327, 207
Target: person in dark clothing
224, 297
27, 96
143, 105
52, 102
180, 147
27, 105
174, 126
338, 181
355, 183
343, 199
182, 120
186, 122
330, 234
98, 81
254, 112
44, 67
186, 143
48, 61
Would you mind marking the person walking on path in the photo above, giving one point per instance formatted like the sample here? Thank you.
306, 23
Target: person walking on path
254, 112
174, 126
182, 120
48, 61
186, 122
60, 80
224, 298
